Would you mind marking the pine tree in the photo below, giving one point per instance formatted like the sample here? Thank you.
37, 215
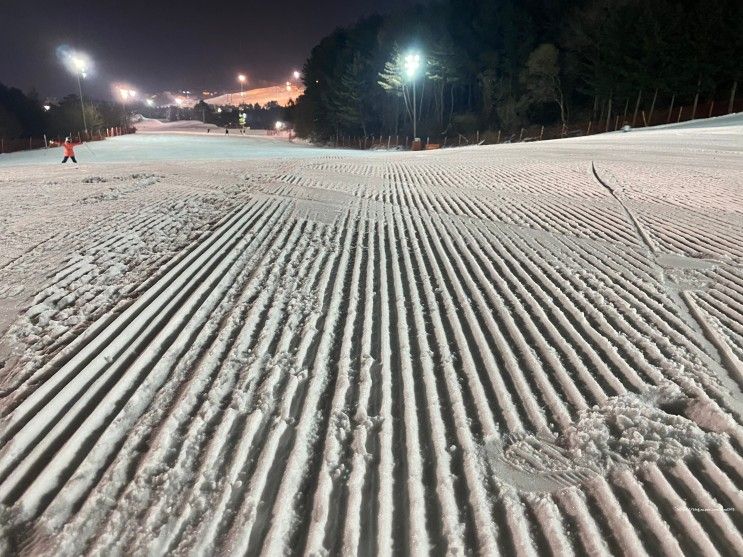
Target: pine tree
347, 96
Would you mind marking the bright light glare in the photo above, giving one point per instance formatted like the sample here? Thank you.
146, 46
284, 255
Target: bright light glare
288, 86
127, 94
47, 107
279, 125
241, 78
219, 109
296, 74
150, 102
179, 102
76, 62
412, 63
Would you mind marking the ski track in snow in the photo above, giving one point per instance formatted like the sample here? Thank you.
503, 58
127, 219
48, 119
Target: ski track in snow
514, 350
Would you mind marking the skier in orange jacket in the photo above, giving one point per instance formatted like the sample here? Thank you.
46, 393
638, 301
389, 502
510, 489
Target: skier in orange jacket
69, 150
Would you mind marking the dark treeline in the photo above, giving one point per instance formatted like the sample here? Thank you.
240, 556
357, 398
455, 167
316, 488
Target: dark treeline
23, 115
503, 64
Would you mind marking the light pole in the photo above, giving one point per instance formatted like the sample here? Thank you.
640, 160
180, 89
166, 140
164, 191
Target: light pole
241, 78
80, 71
125, 95
412, 63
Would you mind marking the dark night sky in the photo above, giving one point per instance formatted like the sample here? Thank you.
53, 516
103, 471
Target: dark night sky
167, 45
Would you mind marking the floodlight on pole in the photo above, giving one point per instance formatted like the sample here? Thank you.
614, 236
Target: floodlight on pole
412, 64
79, 65
241, 78
126, 94
296, 74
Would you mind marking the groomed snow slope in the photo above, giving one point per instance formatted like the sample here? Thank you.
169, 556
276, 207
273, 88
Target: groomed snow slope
261, 96
191, 145
512, 350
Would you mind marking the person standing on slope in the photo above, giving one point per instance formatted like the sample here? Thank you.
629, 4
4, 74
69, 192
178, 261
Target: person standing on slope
69, 150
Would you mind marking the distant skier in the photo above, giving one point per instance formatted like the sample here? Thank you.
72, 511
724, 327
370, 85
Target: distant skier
69, 150
226, 131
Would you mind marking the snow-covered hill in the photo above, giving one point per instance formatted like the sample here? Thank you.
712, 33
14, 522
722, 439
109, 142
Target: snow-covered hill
281, 94
242, 346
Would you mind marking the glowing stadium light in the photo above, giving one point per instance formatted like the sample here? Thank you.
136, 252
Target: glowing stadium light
78, 64
150, 102
279, 125
47, 107
288, 85
125, 93
179, 102
412, 63
297, 74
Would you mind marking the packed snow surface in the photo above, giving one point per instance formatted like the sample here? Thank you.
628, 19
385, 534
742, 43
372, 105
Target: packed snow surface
236, 345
